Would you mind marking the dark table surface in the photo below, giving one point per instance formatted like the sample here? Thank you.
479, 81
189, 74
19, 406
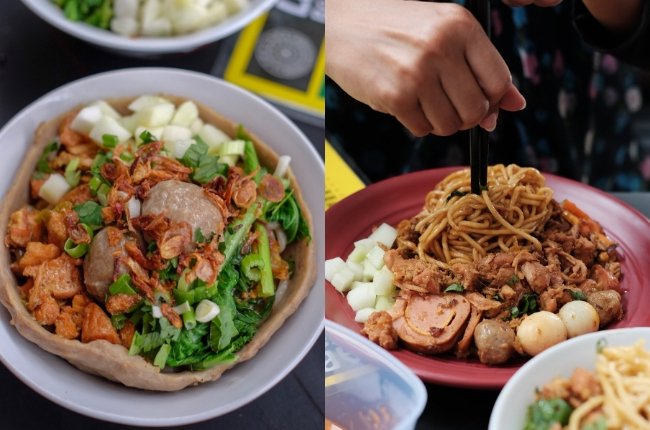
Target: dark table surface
36, 58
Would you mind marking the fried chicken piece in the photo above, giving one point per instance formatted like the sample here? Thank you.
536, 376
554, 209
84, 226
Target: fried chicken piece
379, 329
24, 227
36, 254
97, 326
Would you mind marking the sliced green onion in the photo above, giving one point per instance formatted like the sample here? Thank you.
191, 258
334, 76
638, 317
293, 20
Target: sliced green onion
161, 355
110, 140
264, 250
182, 284
156, 312
122, 286
72, 175
189, 319
127, 156
75, 250
182, 308
206, 311
234, 147
196, 295
282, 166
102, 194
251, 266
94, 184
161, 296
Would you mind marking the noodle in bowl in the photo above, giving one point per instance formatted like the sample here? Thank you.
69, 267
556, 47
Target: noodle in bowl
456, 226
621, 369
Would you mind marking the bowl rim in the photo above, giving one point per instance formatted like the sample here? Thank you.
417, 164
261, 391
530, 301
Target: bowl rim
500, 408
316, 288
50, 13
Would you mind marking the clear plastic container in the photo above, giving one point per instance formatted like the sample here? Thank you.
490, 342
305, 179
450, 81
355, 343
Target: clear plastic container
366, 387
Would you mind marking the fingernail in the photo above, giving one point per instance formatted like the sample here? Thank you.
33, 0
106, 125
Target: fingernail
489, 123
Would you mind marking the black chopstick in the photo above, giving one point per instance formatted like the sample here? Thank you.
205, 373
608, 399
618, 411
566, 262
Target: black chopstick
478, 137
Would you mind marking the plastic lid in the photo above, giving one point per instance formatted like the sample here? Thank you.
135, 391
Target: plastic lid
365, 386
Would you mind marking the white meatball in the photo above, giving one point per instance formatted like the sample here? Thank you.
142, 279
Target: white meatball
579, 318
539, 331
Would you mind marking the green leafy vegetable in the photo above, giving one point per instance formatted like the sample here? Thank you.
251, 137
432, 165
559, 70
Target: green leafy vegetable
147, 137
455, 288
161, 356
97, 13
43, 164
153, 339
251, 162
222, 328
193, 155
544, 413
287, 212
209, 168
189, 348
578, 295
456, 193
241, 227
513, 280
90, 213
600, 345
169, 272
527, 305
118, 321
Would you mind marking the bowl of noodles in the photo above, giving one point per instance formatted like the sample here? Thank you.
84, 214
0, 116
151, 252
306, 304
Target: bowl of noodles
477, 275
596, 381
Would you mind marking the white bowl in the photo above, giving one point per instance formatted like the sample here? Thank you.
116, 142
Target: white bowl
51, 13
510, 409
62, 383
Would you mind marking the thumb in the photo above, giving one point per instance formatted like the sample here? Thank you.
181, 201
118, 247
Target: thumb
512, 100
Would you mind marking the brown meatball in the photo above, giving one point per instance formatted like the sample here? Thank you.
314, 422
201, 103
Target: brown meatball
99, 264
182, 201
494, 340
608, 305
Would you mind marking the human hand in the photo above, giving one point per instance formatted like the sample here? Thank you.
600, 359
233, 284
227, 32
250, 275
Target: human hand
430, 65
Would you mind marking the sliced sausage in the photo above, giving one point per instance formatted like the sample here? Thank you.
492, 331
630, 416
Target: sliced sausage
181, 201
430, 324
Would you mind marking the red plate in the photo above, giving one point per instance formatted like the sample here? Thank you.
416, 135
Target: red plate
401, 197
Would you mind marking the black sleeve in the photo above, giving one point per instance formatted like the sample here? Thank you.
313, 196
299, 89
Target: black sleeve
633, 48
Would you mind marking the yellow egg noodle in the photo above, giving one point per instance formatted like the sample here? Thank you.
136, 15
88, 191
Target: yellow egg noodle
456, 226
624, 374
